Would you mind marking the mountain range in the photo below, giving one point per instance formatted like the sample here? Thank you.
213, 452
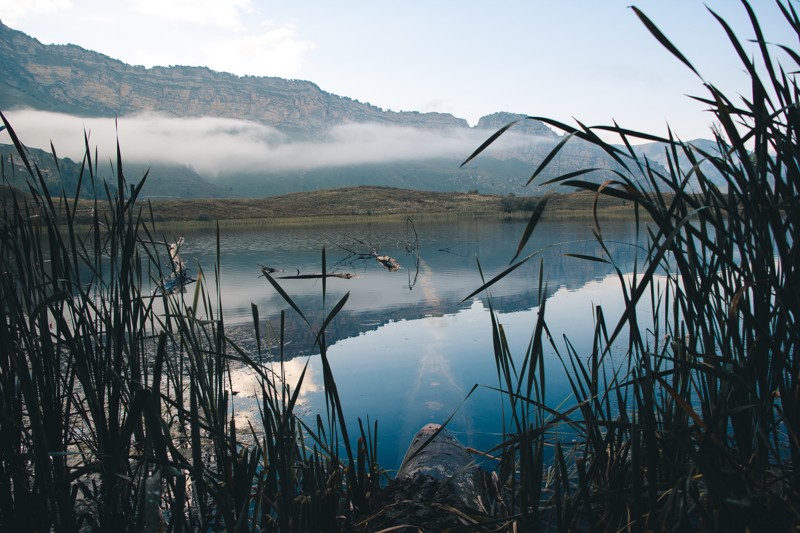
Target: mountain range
271, 135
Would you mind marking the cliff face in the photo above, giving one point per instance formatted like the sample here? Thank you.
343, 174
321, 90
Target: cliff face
495, 121
70, 79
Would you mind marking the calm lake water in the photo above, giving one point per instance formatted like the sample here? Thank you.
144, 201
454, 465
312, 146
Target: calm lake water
407, 348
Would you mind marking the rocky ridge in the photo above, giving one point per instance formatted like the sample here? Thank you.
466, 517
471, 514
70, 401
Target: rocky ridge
71, 79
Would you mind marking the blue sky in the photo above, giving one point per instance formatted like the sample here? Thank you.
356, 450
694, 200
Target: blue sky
592, 60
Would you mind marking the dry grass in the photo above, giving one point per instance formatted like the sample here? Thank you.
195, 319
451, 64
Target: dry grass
349, 203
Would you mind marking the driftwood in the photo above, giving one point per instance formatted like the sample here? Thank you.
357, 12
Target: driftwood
342, 275
174, 254
437, 454
438, 488
269, 270
387, 262
179, 278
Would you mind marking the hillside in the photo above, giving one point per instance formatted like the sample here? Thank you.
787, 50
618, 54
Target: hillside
163, 180
281, 136
70, 79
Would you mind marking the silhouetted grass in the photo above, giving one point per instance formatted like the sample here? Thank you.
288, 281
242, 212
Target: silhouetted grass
699, 428
117, 411
115, 400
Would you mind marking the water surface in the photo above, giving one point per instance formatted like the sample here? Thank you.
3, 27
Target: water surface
407, 348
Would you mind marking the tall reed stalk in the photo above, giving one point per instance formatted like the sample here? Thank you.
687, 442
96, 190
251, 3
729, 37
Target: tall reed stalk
699, 430
115, 394
115, 397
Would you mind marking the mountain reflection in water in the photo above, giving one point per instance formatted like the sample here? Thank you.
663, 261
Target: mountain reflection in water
405, 349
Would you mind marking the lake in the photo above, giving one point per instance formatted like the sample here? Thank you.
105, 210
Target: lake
407, 347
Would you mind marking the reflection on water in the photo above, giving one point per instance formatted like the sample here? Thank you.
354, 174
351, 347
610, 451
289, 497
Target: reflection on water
406, 353
247, 386
447, 267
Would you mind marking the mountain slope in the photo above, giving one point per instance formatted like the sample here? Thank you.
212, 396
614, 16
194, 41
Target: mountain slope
293, 116
163, 180
70, 79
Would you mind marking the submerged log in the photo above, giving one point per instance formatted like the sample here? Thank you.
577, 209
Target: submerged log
437, 454
437, 488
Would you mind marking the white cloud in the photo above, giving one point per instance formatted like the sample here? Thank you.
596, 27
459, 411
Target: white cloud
278, 52
12, 11
221, 13
215, 145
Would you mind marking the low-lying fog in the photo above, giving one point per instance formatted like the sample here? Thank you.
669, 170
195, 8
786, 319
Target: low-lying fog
213, 145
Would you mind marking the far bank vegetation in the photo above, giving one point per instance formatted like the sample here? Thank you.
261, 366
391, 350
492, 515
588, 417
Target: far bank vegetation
359, 202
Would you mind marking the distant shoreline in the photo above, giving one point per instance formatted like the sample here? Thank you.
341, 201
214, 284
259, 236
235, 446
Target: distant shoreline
354, 204
366, 203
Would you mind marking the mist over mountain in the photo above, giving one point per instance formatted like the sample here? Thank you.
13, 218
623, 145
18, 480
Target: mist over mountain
209, 133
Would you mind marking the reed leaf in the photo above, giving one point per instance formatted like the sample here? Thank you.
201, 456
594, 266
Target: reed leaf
661, 38
488, 142
536, 215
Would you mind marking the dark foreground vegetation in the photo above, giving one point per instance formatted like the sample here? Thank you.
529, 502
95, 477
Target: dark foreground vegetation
116, 414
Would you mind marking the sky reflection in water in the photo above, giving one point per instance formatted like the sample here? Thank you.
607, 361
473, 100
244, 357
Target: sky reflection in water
405, 350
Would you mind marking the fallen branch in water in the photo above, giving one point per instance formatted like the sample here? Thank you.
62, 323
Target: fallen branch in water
269, 270
345, 275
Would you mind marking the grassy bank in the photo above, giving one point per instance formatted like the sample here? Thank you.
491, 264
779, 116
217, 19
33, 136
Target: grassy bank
365, 202
332, 206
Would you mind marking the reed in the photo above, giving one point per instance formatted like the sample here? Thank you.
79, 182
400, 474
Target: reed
117, 412
698, 429
115, 392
